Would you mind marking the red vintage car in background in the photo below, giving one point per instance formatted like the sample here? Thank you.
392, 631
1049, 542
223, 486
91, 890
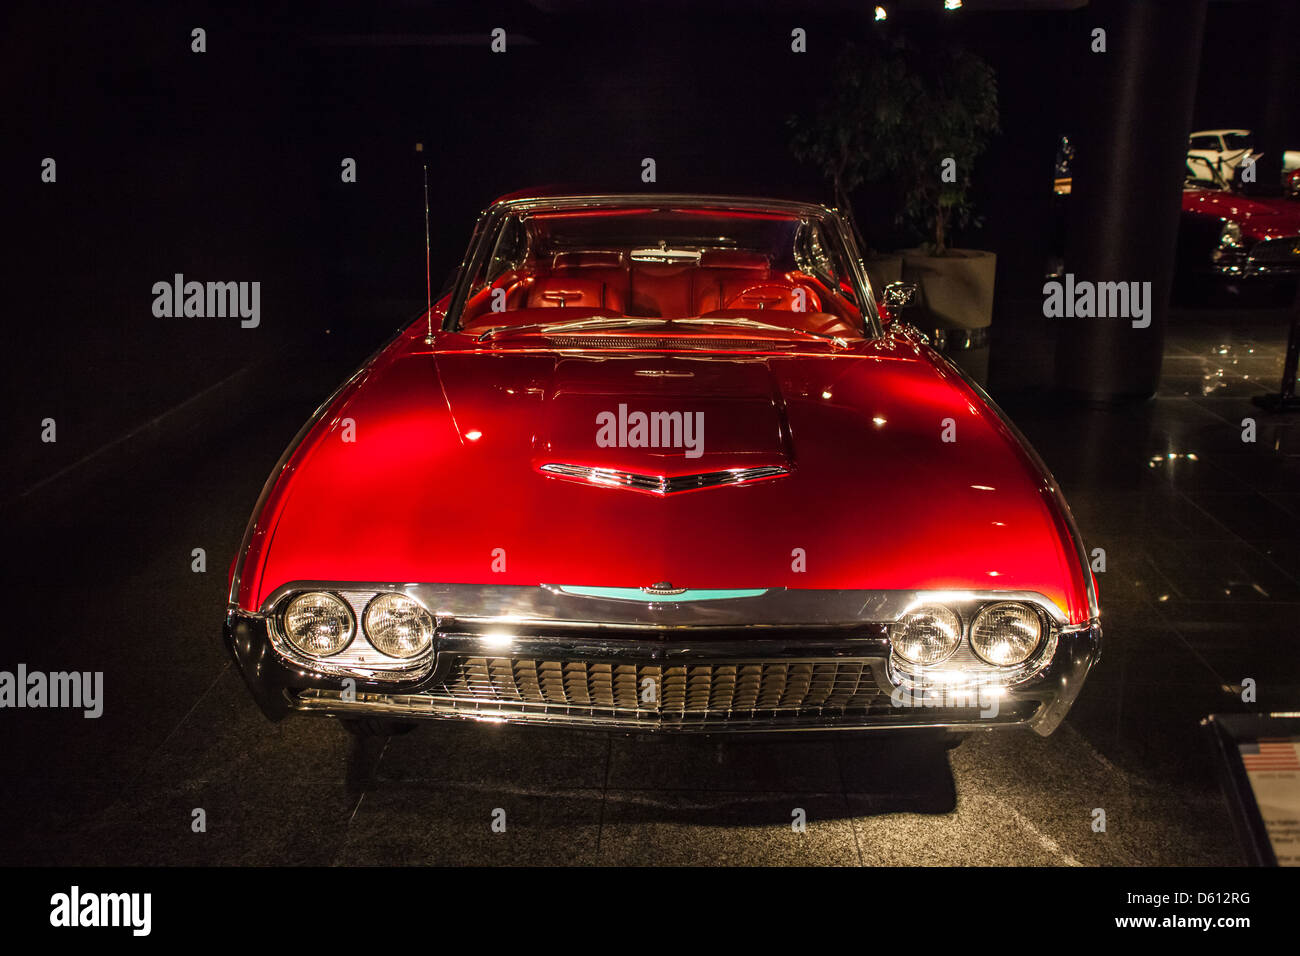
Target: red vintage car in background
1226, 233
661, 462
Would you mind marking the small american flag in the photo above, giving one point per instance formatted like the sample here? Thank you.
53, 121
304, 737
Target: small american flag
1271, 753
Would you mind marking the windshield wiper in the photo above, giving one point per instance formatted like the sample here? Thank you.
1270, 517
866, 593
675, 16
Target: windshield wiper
837, 340
592, 322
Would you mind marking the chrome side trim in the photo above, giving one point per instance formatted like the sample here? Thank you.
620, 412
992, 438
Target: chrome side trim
661, 484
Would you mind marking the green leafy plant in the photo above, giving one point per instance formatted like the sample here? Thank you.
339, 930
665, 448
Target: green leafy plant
910, 115
841, 136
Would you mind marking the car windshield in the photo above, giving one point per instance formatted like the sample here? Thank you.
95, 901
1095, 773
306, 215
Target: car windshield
1200, 173
569, 268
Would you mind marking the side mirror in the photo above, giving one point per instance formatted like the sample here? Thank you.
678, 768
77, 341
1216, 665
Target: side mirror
894, 298
898, 295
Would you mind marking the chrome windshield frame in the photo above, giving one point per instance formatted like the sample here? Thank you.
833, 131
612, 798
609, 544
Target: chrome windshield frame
489, 219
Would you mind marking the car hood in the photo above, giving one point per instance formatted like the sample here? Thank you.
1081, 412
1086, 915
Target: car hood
442, 479
1259, 218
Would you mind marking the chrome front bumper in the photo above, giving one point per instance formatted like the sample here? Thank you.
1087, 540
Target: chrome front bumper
820, 660
845, 686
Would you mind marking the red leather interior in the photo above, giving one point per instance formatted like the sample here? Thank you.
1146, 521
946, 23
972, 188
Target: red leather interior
588, 260
559, 292
825, 322
660, 289
733, 259
582, 279
724, 274
607, 281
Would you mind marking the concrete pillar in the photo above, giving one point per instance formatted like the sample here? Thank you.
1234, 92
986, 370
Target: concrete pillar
1136, 108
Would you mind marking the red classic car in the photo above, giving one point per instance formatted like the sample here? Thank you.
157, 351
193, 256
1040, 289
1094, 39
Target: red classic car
1226, 233
662, 462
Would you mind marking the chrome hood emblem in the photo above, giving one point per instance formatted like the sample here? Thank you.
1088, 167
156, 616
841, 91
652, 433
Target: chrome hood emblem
661, 484
663, 587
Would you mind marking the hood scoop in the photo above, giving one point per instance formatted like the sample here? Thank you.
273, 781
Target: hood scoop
663, 425
661, 484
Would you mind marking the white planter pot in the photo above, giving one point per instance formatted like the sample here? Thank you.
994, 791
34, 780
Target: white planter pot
957, 303
883, 269
956, 289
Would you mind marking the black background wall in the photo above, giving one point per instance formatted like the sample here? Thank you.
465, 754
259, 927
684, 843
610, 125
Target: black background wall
225, 165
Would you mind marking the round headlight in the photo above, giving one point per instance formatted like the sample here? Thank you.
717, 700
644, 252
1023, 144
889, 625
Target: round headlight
318, 623
398, 626
926, 635
1006, 634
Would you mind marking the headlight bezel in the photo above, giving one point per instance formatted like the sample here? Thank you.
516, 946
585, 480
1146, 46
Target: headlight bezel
964, 665
282, 622
359, 660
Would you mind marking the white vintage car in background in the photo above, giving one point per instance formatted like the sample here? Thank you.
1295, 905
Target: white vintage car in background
1226, 149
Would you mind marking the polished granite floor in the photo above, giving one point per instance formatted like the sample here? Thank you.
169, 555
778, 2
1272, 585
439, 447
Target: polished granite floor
1202, 590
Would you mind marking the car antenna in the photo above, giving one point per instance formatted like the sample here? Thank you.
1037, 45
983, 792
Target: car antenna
428, 283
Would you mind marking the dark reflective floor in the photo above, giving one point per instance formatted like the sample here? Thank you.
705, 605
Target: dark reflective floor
1201, 592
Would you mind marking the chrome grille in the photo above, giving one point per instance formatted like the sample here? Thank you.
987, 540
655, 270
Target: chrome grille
1280, 252
744, 687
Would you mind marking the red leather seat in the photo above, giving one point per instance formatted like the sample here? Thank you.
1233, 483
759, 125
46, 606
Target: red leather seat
724, 274
661, 289
583, 279
559, 292
779, 295
565, 261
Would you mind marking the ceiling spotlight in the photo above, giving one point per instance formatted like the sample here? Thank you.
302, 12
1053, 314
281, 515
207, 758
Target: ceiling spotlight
951, 5
881, 14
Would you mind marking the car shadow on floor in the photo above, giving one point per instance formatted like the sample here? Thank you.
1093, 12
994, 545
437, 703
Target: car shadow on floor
715, 779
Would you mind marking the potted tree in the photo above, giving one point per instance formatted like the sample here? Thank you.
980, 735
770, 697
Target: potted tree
841, 138
921, 118
948, 112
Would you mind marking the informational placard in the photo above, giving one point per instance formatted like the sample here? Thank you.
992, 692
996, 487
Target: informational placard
1260, 771
1272, 766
